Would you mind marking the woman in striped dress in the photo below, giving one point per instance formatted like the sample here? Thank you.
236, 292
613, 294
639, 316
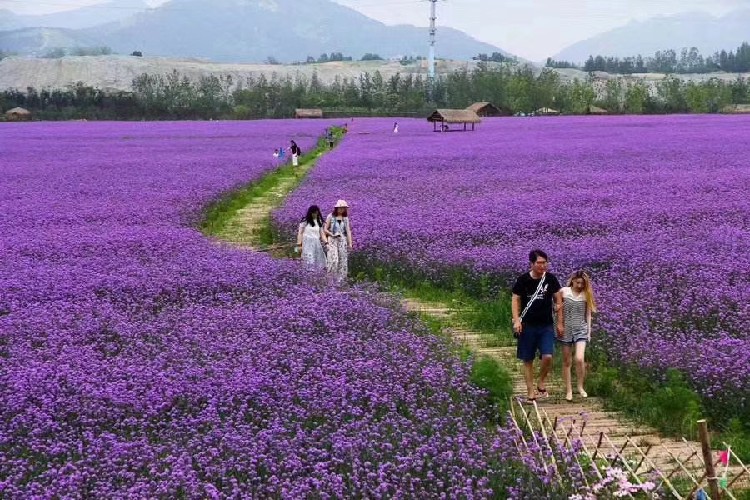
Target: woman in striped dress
578, 307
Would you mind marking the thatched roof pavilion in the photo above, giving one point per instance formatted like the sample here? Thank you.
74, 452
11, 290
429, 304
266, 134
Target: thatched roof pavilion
448, 116
18, 115
485, 109
308, 113
595, 110
736, 108
545, 111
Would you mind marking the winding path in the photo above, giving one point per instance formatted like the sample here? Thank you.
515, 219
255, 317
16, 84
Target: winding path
608, 432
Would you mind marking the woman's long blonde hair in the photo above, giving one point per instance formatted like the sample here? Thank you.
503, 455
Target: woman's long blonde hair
588, 290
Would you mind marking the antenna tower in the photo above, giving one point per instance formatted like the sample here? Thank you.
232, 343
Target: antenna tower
431, 55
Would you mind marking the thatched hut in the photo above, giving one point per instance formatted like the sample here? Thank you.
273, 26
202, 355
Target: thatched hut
308, 113
595, 110
18, 115
545, 111
487, 109
736, 108
446, 117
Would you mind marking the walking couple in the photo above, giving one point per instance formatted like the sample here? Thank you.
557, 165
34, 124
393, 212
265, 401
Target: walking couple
326, 244
542, 309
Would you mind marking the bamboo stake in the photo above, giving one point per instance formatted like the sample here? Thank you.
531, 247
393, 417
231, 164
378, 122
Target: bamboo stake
588, 453
598, 445
713, 483
655, 468
544, 432
624, 459
528, 423
575, 455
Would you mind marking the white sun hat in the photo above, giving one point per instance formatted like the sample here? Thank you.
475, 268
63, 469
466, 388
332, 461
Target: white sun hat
341, 204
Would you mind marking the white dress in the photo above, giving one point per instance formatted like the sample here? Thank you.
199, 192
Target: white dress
338, 250
313, 255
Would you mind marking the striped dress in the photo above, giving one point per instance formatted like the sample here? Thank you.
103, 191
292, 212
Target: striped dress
574, 309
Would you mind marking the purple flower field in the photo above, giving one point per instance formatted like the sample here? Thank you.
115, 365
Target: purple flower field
140, 360
657, 208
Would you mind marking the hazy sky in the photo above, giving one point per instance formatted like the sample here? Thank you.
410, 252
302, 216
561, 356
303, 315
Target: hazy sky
533, 29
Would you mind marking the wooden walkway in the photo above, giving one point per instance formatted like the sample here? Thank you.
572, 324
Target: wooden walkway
607, 433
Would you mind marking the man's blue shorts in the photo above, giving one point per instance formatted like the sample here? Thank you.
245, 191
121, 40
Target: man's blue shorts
535, 338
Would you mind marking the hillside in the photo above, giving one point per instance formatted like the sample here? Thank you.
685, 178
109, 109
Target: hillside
708, 33
42, 40
83, 17
255, 30
116, 73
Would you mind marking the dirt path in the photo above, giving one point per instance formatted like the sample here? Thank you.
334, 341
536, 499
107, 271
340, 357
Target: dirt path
247, 225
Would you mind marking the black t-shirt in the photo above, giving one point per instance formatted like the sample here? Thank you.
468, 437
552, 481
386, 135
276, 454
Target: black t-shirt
540, 312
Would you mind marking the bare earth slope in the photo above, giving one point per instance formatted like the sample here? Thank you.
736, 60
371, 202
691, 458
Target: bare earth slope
116, 73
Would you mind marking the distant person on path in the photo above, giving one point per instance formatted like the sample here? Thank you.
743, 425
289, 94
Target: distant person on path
310, 239
578, 306
395, 127
282, 153
338, 229
532, 308
296, 152
329, 138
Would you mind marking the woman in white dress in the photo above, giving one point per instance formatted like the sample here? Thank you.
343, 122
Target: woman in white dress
310, 239
339, 232
578, 306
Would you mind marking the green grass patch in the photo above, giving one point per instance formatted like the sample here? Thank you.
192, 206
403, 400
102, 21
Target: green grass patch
489, 315
671, 406
218, 215
488, 374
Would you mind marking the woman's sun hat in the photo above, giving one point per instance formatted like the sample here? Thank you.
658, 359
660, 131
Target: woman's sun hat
341, 204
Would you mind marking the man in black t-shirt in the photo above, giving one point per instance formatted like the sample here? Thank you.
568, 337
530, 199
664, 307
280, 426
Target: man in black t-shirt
534, 294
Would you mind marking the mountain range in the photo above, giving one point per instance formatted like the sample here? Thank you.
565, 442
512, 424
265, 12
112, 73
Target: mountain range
82, 17
232, 31
695, 29
292, 30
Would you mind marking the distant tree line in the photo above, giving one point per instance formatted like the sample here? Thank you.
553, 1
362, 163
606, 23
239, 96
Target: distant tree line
58, 52
666, 61
494, 57
515, 88
334, 57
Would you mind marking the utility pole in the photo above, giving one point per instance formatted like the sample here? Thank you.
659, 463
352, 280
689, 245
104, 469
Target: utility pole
433, 31
431, 54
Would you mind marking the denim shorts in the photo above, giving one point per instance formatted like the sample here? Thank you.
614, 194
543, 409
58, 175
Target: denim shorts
533, 339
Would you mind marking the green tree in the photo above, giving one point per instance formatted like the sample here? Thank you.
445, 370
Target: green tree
672, 94
636, 96
581, 95
613, 95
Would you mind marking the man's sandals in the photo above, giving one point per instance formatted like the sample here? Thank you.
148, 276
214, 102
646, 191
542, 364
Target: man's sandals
540, 394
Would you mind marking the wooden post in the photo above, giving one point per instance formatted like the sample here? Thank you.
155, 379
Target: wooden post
713, 483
